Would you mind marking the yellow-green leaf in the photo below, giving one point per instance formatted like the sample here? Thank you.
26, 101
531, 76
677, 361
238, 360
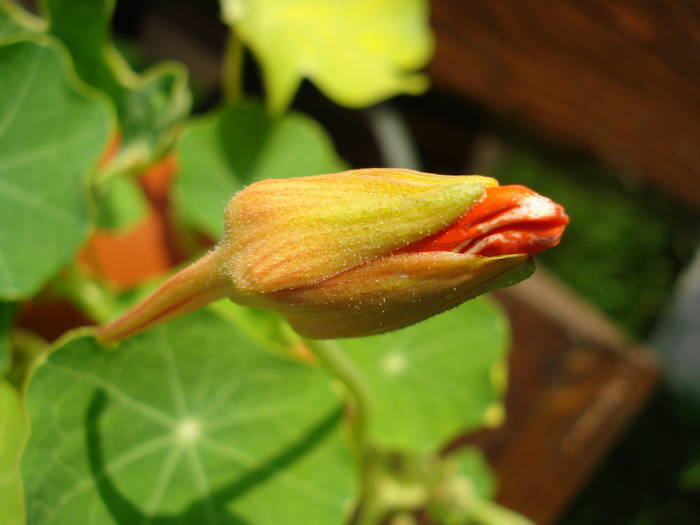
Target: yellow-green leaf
357, 52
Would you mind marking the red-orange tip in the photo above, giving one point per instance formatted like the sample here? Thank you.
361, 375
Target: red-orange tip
507, 220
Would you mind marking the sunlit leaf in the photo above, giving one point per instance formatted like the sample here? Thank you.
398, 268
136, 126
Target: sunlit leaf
187, 423
433, 380
357, 52
12, 436
51, 134
221, 153
150, 106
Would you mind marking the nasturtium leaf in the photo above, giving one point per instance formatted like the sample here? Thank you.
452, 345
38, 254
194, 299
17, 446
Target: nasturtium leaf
221, 153
150, 106
6, 314
187, 423
120, 204
433, 380
357, 52
12, 437
269, 329
51, 135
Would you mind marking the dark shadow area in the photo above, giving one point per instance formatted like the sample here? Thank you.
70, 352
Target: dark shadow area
208, 510
640, 483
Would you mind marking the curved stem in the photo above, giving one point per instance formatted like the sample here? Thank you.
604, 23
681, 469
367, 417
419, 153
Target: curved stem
193, 287
331, 356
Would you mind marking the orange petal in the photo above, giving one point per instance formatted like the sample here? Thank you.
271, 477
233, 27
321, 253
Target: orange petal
507, 220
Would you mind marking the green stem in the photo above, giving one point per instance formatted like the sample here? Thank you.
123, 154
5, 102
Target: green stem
372, 511
27, 347
90, 297
232, 68
487, 512
331, 356
405, 518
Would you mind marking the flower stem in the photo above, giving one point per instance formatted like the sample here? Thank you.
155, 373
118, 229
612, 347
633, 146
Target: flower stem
333, 358
232, 68
197, 285
485, 512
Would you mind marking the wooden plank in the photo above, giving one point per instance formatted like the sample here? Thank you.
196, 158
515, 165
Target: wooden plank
575, 382
619, 79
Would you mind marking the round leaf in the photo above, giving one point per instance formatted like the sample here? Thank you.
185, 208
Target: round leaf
435, 379
15, 22
187, 423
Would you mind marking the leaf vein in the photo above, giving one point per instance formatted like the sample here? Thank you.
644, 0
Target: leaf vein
136, 405
21, 96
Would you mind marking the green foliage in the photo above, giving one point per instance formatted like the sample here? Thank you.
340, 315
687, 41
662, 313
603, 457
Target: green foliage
472, 490
9, 28
15, 23
269, 329
149, 106
472, 464
120, 204
51, 135
427, 382
12, 437
224, 151
357, 52
434, 379
188, 423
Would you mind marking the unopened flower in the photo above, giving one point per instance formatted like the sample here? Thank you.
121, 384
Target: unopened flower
360, 252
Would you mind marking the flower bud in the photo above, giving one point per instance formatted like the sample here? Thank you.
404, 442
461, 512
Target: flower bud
289, 233
361, 252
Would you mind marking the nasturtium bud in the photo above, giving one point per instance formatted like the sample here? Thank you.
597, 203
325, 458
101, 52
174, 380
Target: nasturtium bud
360, 252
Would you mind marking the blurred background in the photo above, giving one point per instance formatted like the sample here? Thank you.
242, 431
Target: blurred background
597, 105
